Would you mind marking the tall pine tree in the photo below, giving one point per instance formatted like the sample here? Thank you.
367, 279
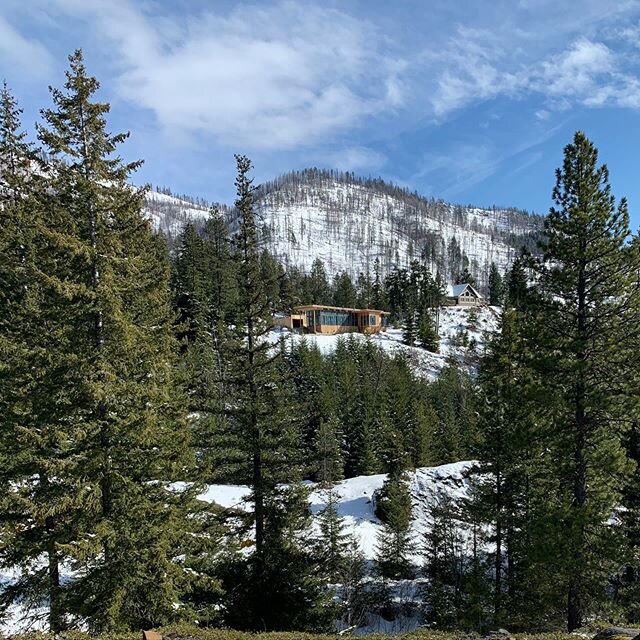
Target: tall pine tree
584, 312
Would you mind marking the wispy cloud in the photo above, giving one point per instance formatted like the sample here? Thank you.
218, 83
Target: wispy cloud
355, 158
290, 75
22, 52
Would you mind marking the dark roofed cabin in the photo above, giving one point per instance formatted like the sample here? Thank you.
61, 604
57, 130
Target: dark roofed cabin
463, 295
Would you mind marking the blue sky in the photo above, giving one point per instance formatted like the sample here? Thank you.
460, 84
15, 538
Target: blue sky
468, 101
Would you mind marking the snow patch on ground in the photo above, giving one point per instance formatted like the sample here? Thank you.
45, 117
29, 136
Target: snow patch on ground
356, 499
356, 507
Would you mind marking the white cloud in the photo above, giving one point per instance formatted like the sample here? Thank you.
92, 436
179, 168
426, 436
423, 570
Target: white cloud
575, 71
276, 77
27, 54
586, 72
355, 159
463, 164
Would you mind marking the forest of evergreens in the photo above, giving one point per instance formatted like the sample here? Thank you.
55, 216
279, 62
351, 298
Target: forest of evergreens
132, 377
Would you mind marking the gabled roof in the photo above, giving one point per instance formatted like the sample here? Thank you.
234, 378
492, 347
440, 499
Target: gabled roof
456, 290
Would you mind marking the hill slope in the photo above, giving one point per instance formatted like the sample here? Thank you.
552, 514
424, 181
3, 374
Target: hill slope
349, 222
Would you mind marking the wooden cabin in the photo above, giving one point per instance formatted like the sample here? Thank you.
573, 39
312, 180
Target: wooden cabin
316, 318
463, 295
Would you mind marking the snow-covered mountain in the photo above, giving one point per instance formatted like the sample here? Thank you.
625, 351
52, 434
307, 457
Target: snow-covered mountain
349, 222
169, 214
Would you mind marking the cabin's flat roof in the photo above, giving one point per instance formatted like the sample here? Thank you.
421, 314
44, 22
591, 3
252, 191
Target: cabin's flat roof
320, 307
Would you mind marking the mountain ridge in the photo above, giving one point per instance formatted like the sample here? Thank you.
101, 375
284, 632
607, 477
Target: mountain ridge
350, 222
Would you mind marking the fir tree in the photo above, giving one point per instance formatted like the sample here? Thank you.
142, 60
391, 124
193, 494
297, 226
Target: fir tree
37, 441
409, 329
496, 286
507, 451
318, 290
465, 277
333, 543
444, 564
427, 335
377, 287
130, 442
277, 585
344, 293
394, 545
516, 284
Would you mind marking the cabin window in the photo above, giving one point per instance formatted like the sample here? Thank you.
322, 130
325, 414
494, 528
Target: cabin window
372, 321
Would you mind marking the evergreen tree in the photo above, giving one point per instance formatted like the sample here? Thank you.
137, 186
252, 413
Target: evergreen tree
364, 295
134, 442
427, 335
496, 286
105, 423
344, 293
465, 277
36, 451
329, 451
444, 564
583, 314
502, 483
377, 287
409, 329
221, 268
516, 285
318, 290
277, 588
333, 543
393, 507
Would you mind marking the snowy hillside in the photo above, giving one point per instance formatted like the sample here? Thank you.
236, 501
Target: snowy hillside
356, 499
350, 222
356, 507
460, 337
169, 214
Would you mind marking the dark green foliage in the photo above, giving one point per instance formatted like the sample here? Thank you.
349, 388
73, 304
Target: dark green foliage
465, 277
413, 292
333, 543
453, 399
409, 329
276, 586
582, 318
427, 333
444, 565
394, 545
97, 424
555, 405
516, 283
496, 286
317, 288
344, 293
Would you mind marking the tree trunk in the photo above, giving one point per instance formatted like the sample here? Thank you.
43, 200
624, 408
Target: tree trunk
497, 596
574, 600
56, 613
